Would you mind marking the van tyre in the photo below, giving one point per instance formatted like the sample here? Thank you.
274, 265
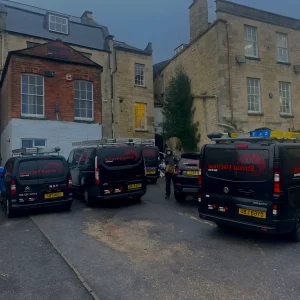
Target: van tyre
295, 235
180, 197
67, 207
87, 198
154, 181
8, 210
137, 199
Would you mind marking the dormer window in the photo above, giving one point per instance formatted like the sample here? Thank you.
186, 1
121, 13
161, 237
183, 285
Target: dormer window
58, 24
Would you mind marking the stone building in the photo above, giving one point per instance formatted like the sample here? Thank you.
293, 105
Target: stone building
127, 77
244, 69
34, 114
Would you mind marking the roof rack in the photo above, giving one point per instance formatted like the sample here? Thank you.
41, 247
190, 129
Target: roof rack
261, 134
34, 151
115, 142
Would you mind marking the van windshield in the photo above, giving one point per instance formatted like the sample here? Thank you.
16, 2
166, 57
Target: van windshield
120, 156
237, 164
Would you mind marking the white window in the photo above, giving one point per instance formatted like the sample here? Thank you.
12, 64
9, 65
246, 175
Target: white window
285, 98
58, 24
254, 100
139, 75
29, 143
32, 95
250, 36
83, 100
282, 47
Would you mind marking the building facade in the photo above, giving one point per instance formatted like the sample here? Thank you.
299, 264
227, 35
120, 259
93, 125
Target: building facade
244, 69
127, 85
50, 96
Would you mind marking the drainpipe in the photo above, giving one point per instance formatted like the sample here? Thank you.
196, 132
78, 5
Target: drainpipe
113, 83
2, 49
229, 75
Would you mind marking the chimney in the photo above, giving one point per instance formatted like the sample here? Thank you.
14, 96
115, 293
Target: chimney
88, 15
149, 48
198, 18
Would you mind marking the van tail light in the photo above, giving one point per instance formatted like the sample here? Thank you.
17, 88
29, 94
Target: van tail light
13, 188
177, 172
200, 174
70, 183
275, 210
277, 181
199, 197
97, 172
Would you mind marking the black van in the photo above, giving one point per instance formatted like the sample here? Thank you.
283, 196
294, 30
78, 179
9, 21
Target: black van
186, 176
33, 179
151, 156
108, 171
252, 183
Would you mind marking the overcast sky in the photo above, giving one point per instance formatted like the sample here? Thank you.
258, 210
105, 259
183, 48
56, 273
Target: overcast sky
165, 23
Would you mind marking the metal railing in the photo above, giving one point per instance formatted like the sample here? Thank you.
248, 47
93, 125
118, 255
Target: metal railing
34, 151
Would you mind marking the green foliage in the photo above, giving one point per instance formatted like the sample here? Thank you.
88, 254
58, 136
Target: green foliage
178, 112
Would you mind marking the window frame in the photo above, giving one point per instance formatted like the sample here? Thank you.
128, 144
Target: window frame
34, 44
145, 116
255, 95
136, 65
280, 47
250, 41
290, 98
38, 116
82, 118
33, 142
55, 30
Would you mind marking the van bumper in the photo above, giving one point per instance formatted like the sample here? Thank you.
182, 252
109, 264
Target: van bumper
278, 227
122, 196
187, 189
23, 206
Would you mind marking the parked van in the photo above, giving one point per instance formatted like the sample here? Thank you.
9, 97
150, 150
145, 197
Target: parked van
252, 182
34, 178
107, 170
152, 160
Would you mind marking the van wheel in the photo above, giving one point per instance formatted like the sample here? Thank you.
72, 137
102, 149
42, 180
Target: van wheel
154, 181
180, 197
8, 210
137, 199
295, 235
86, 198
67, 207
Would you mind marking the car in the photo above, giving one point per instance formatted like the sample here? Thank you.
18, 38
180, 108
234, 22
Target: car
186, 176
252, 182
35, 178
152, 160
107, 169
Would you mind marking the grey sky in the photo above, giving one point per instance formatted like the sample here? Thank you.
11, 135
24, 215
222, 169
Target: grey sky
163, 22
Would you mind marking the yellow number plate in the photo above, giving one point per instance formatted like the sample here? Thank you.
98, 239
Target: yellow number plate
151, 172
54, 195
134, 186
253, 213
192, 172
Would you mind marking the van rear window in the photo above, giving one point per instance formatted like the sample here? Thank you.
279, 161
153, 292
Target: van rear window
237, 165
41, 169
189, 161
121, 156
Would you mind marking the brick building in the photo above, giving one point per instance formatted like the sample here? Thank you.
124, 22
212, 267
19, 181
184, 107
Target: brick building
50, 96
127, 77
244, 68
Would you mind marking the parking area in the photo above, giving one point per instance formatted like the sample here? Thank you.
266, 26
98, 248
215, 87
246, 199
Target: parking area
158, 249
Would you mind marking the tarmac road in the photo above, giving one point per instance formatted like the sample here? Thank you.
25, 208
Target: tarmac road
161, 250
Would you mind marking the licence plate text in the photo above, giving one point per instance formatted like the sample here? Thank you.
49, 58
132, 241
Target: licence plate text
151, 172
134, 186
192, 172
253, 213
54, 195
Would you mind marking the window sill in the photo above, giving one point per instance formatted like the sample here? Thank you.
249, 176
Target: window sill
253, 58
283, 63
32, 117
85, 121
287, 116
140, 86
141, 130
258, 114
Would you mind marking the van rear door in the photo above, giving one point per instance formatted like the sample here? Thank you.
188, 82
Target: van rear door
151, 155
121, 170
238, 181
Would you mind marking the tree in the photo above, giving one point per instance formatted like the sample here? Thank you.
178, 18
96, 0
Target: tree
178, 112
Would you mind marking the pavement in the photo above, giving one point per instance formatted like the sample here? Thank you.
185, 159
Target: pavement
158, 249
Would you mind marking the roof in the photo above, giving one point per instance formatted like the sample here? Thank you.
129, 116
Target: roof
32, 21
123, 46
257, 14
45, 51
157, 68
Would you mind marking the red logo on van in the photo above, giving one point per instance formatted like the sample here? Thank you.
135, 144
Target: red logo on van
254, 159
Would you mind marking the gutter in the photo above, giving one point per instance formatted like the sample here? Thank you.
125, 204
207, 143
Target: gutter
113, 83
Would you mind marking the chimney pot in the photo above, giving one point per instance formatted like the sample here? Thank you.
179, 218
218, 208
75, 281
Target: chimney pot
88, 15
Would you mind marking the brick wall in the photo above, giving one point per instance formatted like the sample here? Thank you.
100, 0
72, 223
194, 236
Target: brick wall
57, 90
267, 70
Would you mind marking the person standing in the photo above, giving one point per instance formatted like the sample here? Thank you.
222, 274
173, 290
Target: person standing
170, 162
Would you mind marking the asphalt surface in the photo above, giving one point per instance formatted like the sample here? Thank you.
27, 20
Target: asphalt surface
159, 250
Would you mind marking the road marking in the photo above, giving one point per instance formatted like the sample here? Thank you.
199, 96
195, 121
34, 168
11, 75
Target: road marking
79, 276
198, 220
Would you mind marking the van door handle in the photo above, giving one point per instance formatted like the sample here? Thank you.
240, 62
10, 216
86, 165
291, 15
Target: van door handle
247, 192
